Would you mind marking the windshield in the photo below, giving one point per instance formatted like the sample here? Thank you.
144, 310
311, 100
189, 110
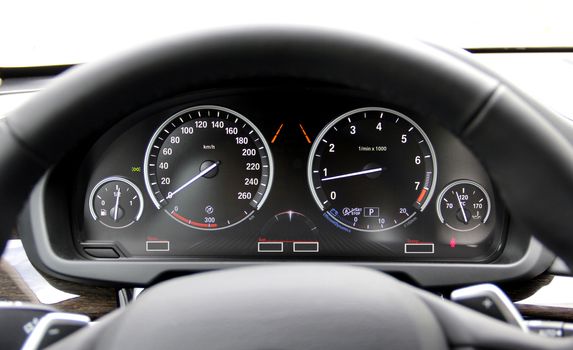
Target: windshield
66, 32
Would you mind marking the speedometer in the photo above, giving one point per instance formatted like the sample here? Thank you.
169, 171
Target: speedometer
372, 169
208, 167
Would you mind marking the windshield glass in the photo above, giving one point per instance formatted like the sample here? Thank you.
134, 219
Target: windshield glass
66, 32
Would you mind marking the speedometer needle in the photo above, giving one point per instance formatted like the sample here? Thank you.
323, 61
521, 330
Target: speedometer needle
364, 172
208, 169
462, 208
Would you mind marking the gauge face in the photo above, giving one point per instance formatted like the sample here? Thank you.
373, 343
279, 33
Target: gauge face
289, 232
116, 202
372, 169
463, 205
208, 167
288, 226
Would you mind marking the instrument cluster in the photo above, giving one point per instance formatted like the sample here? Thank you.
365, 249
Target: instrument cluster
288, 174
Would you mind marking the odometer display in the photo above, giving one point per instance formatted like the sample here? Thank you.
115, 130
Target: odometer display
372, 169
208, 167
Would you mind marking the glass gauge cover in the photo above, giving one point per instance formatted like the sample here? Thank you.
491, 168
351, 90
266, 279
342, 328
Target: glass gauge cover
372, 169
208, 168
463, 205
116, 202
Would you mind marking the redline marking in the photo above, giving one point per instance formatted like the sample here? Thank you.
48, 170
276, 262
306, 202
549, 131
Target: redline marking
192, 223
199, 224
422, 195
180, 217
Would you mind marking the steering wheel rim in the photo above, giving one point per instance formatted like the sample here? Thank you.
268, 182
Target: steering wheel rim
311, 306
472, 102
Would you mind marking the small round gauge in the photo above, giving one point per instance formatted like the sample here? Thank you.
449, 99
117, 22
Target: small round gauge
208, 168
463, 205
289, 226
116, 202
372, 169
289, 232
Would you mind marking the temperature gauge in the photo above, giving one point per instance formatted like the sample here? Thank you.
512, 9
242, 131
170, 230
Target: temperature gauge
463, 205
116, 202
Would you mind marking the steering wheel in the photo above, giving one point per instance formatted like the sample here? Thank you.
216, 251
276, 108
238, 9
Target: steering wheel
527, 150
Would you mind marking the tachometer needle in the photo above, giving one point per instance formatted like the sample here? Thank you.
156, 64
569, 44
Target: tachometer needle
462, 208
364, 172
116, 208
208, 169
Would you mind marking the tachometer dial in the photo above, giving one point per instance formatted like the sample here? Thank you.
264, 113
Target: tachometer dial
372, 169
463, 205
208, 167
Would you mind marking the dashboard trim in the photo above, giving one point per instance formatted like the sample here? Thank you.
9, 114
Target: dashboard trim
243, 99
535, 260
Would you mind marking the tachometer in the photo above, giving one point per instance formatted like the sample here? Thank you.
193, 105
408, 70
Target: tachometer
372, 169
208, 167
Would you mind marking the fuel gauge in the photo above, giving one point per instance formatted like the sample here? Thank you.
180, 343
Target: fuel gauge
463, 205
116, 202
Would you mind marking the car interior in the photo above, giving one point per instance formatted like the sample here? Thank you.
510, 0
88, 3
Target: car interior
288, 188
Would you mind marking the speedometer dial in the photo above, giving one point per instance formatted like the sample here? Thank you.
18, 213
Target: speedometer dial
208, 167
372, 169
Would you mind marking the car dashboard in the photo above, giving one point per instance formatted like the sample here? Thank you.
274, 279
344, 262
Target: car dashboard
396, 205
258, 174
274, 172
266, 173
